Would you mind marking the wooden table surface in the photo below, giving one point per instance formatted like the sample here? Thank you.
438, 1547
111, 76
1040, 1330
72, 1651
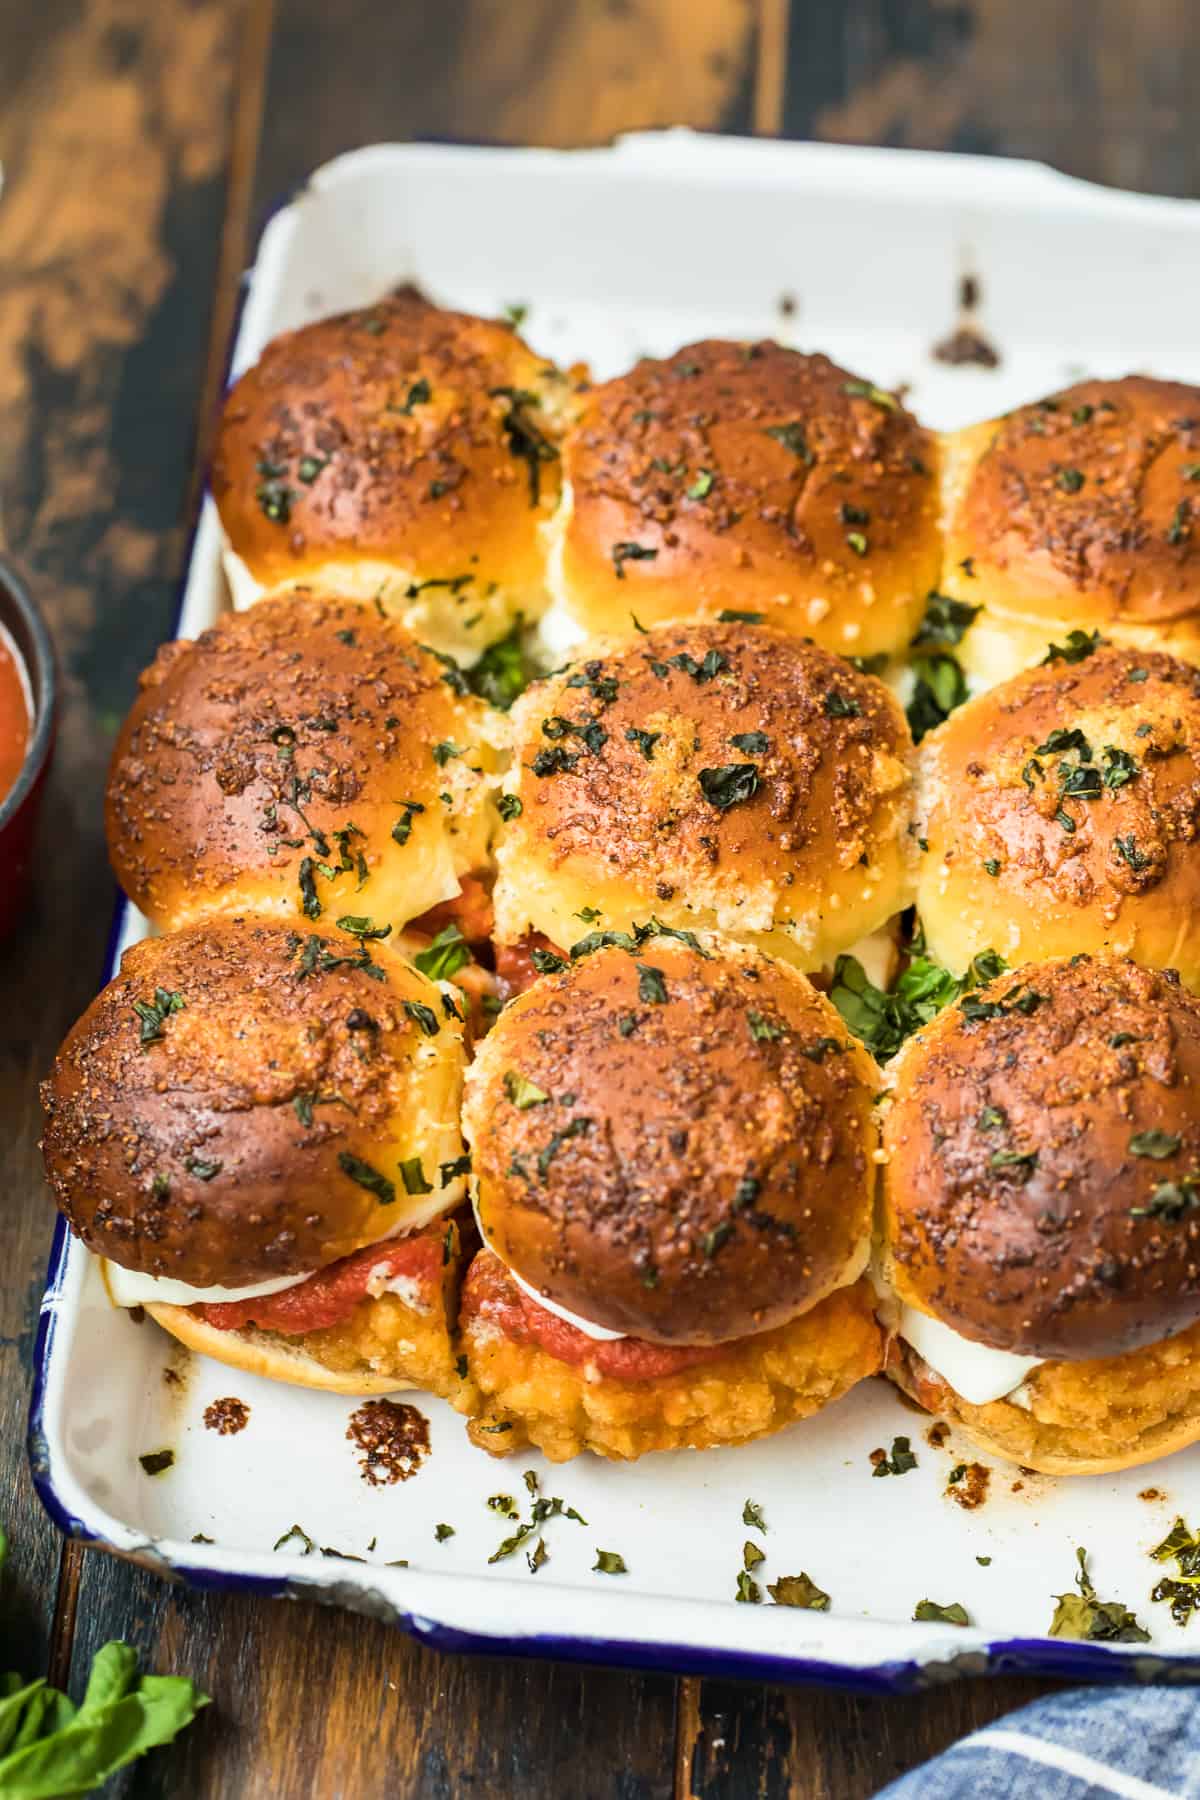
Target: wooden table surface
141, 142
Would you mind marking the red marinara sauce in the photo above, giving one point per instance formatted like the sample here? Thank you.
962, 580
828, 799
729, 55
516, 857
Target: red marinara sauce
15, 715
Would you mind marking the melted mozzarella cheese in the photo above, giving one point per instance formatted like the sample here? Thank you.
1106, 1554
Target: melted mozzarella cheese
975, 1371
877, 954
600, 1333
129, 1287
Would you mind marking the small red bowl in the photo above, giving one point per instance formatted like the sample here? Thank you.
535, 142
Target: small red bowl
19, 807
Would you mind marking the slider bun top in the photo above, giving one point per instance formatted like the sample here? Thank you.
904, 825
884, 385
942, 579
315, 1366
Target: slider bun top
718, 776
392, 447
1081, 511
749, 476
1042, 1181
675, 1142
1061, 812
292, 759
242, 1101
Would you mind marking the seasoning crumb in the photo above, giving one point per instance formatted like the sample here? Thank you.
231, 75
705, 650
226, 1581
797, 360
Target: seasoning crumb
787, 305
1152, 1494
937, 1434
156, 1462
966, 347
968, 1484
392, 1439
172, 1377
227, 1417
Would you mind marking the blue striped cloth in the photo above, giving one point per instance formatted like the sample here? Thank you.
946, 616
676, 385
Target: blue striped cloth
1140, 1744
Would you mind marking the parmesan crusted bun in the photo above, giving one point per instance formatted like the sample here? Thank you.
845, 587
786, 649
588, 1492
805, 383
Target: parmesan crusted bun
1061, 812
1041, 1187
674, 1141
1079, 512
716, 776
244, 1103
399, 451
747, 476
306, 758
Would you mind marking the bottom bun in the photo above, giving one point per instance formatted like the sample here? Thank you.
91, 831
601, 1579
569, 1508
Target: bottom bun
521, 1395
267, 1354
1082, 1418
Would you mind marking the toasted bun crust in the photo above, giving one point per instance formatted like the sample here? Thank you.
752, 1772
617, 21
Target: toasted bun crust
1034, 851
1083, 1418
417, 443
277, 1359
1033, 1131
814, 858
249, 749
743, 472
1079, 511
213, 1153
685, 1181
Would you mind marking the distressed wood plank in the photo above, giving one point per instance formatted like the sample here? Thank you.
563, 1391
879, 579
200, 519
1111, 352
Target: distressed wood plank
314, 1701
1075, 84
112, 133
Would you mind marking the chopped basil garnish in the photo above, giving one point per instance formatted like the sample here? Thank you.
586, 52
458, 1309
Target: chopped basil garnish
367, 1177
729, 784
1084, 1616
1078, 647
946, 621
153, 1014
445, 956
1156, 1144
645, 741
423, 1017
548, 962
930, 1612
752, 1515
509, 807
939, 686
1182, 1547
522, 1092
792, 438
652, 985
609, 1563
898, 1463
798, 1590
307, 1544
626, 552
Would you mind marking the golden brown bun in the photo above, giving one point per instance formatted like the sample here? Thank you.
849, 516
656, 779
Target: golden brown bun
521, 1395
701, 1166
412, 444
1079, 512
285, 751
216, 1153
1033, 851
1043, 1160
815, 857
751, 477
1083, 1418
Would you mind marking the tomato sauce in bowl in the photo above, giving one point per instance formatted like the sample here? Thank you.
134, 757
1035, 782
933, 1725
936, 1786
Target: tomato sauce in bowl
28, 708
16, 714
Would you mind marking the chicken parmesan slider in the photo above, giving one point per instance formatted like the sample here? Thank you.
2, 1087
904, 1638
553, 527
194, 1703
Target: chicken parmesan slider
258, 1130
1077, 514
716, 776
1060, 811
1042, 1215
400, 453
673, 1149
747, 477
306, 758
